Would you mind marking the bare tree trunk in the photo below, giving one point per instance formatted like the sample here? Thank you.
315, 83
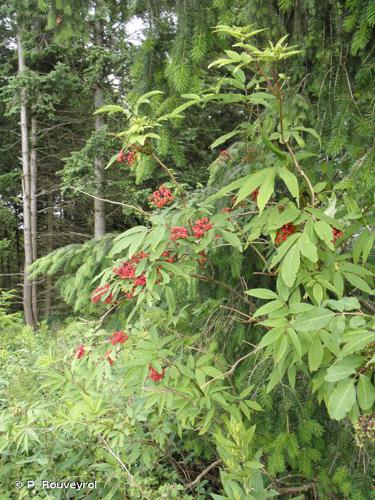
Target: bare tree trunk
26, 190
34, 209
99, 205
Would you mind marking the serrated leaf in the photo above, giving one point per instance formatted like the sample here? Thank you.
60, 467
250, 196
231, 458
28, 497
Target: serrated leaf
342, 399
365, 393
266, 190
342, 369
268, 308
315, 354
271, 337
291, 182
313, 320
262, 293
290, 266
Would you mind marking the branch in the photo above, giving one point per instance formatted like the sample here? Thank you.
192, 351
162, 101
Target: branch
133, 207
202, 474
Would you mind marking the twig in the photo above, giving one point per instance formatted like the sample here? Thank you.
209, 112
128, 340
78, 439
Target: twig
116, 457
202, 474
133, 207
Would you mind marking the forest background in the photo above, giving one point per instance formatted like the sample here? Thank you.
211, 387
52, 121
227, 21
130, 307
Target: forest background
295, 420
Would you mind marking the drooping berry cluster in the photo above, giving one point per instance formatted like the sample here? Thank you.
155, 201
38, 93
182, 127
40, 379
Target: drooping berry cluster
365, 429
336, 234
99, 292
161, 197
128, 157
118, 337
201, 226
284, 233
154, 374
179, 232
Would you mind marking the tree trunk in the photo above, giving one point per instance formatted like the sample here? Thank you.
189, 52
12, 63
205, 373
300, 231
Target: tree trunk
99, 206
50, 229
26, 192
34, 209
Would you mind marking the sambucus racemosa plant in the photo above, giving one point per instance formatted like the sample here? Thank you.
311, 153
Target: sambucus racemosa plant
314, 320
306, 238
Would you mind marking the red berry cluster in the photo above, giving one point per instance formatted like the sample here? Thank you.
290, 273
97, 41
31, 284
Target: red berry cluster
336, 233
254, 195
224, 153
178, 232
118, 337
125, 271
227, 210
128, 269
129, 157
161, 197
99, 292
155, 375
80, 351
284, 233
201, 226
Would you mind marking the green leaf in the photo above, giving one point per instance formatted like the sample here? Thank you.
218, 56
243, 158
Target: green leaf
342, 399
223, 138
262, 293
315, 354
360, 340
313, 320
269, 145
307, 248
365, 393
318, 293
250, 183
358, 282
232, 239
271, 337
175, 269
266, 190
342, 369
324, 232
290, 181
344, 304
295, 341
268, 308
283, 248
290, 266
111, 108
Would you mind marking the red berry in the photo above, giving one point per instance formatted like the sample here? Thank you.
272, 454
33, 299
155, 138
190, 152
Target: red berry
161, 197
154, 375
201, 226
179, 232
118, 337
99, 292
80, 351
336, 233
283, 233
